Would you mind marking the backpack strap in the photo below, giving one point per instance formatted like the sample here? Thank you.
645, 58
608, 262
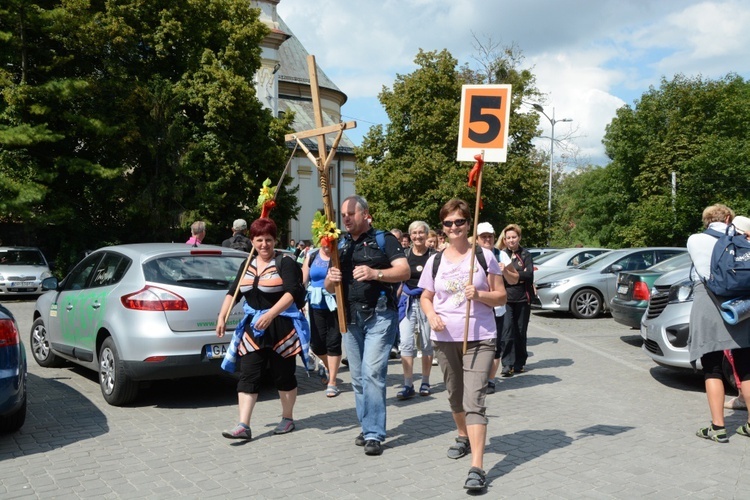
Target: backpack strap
713, 232
380, 239
436, 264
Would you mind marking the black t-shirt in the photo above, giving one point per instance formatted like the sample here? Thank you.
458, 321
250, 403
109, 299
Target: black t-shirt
416, 265
365, 251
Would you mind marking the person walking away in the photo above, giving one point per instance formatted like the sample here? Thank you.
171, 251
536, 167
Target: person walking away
272, 332
197, 233
238, 240
370, 272
443, 301
518, 309
709, 333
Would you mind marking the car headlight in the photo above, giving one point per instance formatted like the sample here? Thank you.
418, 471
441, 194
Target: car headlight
681, 292
45, 275
553, 284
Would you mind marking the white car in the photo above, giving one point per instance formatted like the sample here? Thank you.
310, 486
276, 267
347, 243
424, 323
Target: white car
22, 270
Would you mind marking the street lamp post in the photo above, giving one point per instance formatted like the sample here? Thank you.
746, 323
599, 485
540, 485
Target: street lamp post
552, 122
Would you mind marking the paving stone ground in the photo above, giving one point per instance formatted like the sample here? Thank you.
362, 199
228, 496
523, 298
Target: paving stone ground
593, 418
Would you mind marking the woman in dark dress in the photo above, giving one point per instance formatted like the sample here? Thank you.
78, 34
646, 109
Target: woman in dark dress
272, 332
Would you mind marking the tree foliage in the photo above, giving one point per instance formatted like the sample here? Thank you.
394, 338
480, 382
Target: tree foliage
133, 118
694, 127
408, 170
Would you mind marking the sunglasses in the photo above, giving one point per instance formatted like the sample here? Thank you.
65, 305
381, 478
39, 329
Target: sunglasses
457, 222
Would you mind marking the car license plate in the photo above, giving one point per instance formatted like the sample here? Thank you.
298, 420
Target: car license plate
644, 332
216, 351
622, 289
15, 284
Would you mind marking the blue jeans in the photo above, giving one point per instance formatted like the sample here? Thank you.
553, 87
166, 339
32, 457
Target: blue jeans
368, 344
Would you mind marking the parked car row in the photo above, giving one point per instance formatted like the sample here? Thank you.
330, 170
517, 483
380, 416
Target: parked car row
587, 289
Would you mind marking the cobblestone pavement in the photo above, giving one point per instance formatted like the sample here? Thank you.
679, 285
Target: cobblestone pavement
593, 418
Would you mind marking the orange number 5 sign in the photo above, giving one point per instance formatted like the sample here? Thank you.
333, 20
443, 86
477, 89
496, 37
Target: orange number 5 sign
485, 111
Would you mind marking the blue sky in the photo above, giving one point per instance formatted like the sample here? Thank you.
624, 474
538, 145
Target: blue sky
590, 57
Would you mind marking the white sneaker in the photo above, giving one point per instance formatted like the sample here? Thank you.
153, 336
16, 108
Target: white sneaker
311, 362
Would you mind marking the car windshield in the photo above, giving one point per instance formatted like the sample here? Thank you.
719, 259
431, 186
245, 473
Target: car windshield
21, 258
213, 272
545, 257
676, 262
602, 260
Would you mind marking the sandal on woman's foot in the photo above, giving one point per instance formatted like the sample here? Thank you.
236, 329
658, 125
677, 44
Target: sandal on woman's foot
286, 425
332, 391
477, 479
424, 390
460, 449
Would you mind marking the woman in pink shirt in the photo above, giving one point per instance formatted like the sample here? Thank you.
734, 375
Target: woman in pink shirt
444, 303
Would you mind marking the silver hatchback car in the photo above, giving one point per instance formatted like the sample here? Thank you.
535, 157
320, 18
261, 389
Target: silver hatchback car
138, 312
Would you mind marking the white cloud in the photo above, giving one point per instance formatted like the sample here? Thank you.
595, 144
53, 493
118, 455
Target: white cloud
589, 57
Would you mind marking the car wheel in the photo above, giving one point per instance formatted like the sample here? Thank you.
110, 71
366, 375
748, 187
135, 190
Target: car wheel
40, 348
586, 304
14, 421
117, 388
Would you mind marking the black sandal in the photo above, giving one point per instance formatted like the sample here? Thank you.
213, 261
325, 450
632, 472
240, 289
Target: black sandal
476, 480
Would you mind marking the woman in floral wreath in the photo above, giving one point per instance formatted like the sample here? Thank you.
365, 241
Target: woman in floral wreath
325, 337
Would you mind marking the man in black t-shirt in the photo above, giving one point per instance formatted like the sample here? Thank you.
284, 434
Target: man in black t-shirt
372, 264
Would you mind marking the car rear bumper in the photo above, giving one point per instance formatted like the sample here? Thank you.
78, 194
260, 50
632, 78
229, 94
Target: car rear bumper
173, 367
12, 389
628, 313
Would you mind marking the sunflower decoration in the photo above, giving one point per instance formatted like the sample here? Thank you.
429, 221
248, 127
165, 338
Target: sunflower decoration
266, 201
324, 231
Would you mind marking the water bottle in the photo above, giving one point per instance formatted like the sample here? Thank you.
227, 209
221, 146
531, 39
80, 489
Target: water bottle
382, 302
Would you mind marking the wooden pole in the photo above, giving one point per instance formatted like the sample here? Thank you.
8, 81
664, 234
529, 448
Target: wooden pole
252, 250
322, 164
477, 206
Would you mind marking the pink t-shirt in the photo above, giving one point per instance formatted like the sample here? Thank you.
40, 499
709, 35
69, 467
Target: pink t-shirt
449, 300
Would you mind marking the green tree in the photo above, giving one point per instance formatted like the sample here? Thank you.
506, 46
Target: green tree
693, 127
408, 170
125, 121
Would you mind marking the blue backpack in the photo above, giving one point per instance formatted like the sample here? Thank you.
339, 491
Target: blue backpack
730, 265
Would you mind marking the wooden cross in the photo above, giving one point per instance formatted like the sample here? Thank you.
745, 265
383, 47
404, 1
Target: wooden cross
322, 162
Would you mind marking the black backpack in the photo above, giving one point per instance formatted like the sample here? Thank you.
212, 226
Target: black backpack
478, 252
239, 242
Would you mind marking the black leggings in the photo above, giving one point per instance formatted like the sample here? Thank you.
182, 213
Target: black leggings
713, 364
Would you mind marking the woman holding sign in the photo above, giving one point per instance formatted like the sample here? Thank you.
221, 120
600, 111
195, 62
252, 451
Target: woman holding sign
446, 290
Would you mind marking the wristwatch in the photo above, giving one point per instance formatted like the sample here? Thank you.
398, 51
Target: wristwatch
380, 275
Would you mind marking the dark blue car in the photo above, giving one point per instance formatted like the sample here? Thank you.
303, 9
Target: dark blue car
12, 374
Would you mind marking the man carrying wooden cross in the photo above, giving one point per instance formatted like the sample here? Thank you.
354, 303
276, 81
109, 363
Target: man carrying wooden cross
372, 265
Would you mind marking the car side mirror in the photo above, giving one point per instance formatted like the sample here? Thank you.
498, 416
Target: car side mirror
615, 268
49, 283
